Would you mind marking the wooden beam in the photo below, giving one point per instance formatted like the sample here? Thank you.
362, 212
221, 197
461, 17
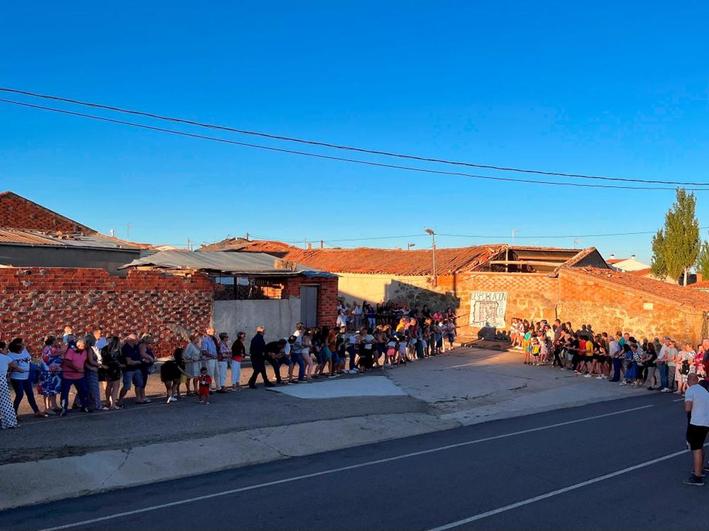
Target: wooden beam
526, 262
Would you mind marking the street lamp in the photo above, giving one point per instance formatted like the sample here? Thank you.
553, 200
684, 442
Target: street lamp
432, 234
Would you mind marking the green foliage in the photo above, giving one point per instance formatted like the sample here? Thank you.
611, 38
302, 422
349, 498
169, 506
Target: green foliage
703, 261
675, 247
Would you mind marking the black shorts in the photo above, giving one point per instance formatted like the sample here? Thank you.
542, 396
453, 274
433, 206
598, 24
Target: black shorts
696, 435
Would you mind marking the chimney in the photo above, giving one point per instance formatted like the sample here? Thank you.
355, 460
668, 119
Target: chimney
310, 246
632, 256
322, 244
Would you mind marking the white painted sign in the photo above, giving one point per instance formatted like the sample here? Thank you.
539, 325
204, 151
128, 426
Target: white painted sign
488, 308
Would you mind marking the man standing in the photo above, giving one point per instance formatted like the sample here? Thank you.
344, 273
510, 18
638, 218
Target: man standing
131, 362
257, 350
696, 404
210, 353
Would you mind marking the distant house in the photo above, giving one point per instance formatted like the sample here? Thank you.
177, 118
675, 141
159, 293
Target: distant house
630, 265
33, 235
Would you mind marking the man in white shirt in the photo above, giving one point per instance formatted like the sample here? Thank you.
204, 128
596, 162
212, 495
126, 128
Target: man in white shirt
696, 404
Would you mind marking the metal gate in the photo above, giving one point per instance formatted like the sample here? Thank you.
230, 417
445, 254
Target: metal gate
309, 305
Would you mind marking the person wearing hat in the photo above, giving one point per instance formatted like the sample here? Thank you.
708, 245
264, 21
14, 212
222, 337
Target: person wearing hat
131, 364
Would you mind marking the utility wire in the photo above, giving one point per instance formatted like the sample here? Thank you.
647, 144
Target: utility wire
339, 146
330, 157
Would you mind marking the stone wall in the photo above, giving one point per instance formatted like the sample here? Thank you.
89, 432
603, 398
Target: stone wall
610, 307
531, 296
35, 302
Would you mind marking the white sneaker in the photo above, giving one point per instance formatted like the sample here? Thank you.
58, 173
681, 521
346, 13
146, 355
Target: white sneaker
623, 383
587, 376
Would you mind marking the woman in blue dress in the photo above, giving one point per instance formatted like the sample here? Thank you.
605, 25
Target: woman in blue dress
50, 378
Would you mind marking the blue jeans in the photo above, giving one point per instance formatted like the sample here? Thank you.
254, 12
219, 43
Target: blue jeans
353, 353
664, 374
82, 391
617, 365
297, 357
22, 388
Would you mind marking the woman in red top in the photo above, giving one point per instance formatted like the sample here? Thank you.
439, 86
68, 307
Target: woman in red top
238, 351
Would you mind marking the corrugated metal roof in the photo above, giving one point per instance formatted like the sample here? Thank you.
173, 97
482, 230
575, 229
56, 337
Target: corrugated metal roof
96, 240
226, 262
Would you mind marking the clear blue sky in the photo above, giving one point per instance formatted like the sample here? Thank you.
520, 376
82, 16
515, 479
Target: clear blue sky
602, 87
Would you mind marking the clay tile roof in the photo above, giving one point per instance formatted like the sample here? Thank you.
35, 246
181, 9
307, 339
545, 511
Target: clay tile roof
252, 246
679, 294
395, 261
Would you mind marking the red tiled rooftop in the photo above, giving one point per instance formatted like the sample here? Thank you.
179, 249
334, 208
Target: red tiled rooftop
394, 261
674, 292
252, 246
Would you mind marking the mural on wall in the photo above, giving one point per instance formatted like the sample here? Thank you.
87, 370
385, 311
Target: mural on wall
487, 308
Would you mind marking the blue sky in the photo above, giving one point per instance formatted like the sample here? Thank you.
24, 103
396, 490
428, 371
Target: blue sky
599, 87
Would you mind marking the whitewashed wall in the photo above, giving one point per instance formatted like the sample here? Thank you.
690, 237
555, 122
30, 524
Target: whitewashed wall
278, 316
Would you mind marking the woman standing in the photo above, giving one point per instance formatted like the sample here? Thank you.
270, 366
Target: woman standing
193, 363
91, 373
238, 351
50, 383
20, 379
73, 373
8, 418
223, 357
110, 371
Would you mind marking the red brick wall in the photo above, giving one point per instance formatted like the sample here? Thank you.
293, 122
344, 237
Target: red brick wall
35, 302
529, 295
610, 307
327, 296
20, 213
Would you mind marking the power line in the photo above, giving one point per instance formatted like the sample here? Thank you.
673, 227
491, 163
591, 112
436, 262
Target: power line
497, 237
338, 146
330, 157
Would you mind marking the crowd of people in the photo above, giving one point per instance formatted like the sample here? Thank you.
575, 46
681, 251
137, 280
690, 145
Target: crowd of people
102, 369
661, 364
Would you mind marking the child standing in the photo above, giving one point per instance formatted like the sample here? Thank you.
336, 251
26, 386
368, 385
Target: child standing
204, 382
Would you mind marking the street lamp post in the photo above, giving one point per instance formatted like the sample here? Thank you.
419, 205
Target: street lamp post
431, 233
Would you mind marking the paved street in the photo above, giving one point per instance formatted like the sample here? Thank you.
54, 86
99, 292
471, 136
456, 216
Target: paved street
616, 464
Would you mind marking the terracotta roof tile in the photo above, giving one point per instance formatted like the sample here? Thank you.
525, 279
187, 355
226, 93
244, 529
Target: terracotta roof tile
394, 261
679, 294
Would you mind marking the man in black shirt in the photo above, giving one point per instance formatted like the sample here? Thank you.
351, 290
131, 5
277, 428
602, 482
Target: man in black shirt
275, 356
257, 350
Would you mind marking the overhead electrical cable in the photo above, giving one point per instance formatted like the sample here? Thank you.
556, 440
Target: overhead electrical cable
330, 157
331, 145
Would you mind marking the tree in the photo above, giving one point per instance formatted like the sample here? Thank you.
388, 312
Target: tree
675, 247
703, 261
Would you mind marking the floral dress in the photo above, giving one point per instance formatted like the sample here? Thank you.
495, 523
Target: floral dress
50, 378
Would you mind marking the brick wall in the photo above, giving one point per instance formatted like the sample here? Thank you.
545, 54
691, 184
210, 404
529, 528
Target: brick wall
20, 213
529, 295
610, 307
327, 296
35, 302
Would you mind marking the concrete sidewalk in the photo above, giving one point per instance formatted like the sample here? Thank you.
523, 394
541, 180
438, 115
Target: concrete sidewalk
142, 444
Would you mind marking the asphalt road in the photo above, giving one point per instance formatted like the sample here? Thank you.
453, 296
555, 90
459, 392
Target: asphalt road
611, 465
